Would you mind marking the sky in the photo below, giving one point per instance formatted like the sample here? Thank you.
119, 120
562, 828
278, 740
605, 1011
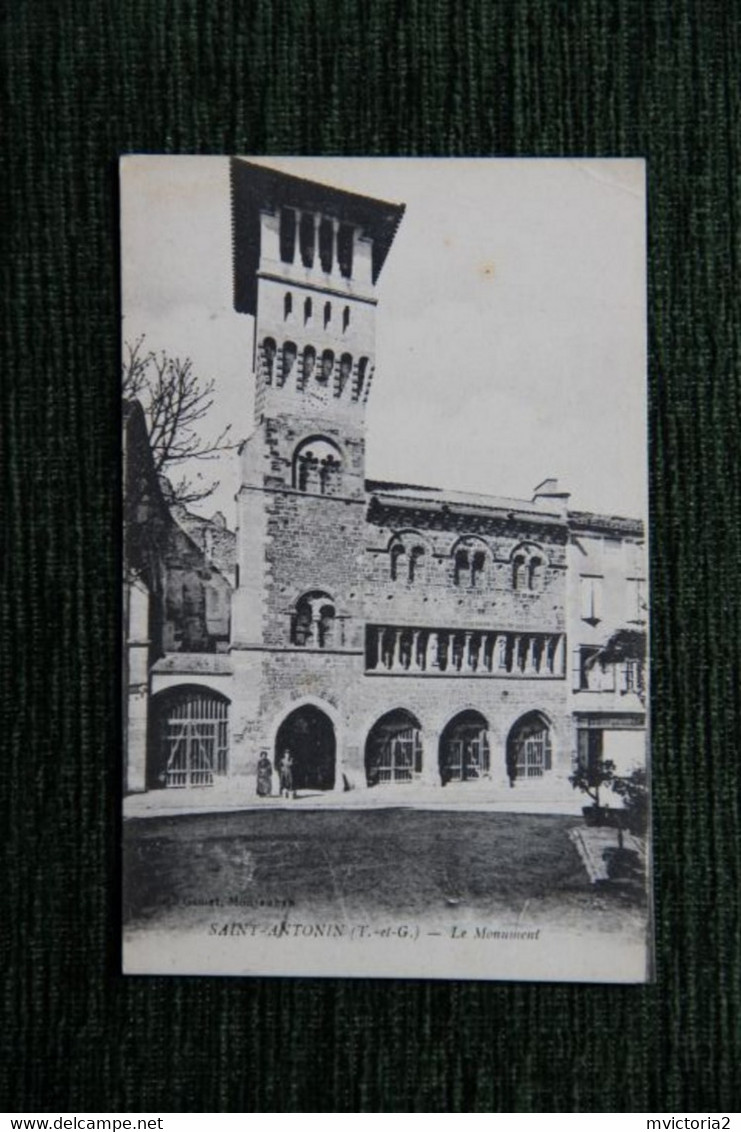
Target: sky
511, 325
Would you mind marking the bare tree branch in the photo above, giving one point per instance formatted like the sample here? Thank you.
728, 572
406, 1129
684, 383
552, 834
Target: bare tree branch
175, 402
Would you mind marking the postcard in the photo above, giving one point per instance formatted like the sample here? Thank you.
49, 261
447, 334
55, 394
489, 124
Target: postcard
385, 578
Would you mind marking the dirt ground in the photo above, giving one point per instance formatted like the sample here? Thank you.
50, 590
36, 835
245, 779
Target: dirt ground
181, 873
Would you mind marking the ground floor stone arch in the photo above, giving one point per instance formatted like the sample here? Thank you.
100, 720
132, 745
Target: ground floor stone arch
309, 734
188, 737
464, 754
393, 749
529, 747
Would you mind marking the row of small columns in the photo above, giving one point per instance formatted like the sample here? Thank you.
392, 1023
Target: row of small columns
360, 260
541, 655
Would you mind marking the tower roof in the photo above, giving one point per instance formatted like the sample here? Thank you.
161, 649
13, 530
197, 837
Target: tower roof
256, 187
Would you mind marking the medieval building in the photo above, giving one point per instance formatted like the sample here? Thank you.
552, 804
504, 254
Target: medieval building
384, 633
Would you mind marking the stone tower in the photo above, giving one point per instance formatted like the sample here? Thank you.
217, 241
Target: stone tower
307, 258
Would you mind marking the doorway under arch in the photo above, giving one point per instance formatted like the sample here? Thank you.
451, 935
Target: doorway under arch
529, 747
189, 738
393, 750
308, 733
464, 748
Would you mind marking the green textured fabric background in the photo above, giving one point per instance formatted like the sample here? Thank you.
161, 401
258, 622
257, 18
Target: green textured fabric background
86, 80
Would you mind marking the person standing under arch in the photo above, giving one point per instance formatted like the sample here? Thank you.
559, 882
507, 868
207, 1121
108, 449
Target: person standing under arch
285, 768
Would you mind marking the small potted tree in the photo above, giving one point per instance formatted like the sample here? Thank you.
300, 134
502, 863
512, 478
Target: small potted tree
634, 793
590, 778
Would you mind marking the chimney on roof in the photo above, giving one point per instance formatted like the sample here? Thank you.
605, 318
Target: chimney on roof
549, 492
218, 520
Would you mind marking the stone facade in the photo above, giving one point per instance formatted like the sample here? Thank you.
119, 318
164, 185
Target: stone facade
385, 634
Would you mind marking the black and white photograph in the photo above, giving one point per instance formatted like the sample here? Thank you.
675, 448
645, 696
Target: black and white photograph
385, 583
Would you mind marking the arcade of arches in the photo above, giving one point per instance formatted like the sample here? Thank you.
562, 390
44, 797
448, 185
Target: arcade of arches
190, 743
395, 750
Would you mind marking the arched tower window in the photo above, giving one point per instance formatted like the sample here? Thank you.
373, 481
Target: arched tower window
469, 563
344, 372
345, 250
406, 557
329, 474
268, 359
317, 467
528, 568
462, 565
313, 620
416, 562
302, 623
308, 361
345, 319
327, 314
306, 239
326, 240
289, 357
360, 376
535, 574
326, 368
307, 311
397, 553
307, 467
287, 234
287, 304
325, 625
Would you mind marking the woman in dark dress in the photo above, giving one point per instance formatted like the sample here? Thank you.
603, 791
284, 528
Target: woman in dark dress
264, 775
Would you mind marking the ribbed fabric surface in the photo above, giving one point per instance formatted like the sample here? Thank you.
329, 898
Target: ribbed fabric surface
85, 80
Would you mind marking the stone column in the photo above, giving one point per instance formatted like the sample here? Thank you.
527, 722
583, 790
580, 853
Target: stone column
445, 643
395, 659
270, 236
383, 648
530, 657
315, 247
414, 660
433, 663
489, 639
334, 265
347, 757
363, 260
498, 767
501, 661
466, 657
297, 246
430, 758
558, 657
